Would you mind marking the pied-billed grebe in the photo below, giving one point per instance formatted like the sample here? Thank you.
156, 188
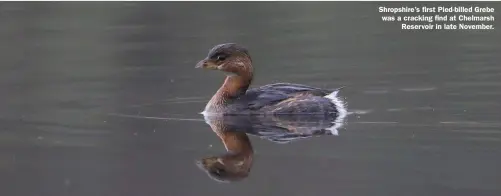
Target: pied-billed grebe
234, 97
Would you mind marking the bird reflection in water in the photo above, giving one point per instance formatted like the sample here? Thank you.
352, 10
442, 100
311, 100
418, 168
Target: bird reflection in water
233, 131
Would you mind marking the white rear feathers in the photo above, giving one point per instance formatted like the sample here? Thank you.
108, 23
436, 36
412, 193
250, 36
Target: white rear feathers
341, 111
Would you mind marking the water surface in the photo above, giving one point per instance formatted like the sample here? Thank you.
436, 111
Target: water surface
77, 81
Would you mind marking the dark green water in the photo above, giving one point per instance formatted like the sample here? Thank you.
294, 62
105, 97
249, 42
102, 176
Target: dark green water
425, 105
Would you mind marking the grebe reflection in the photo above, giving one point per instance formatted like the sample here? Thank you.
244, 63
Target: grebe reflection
233, 131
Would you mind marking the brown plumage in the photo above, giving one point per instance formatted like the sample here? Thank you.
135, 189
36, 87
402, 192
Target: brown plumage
235, 98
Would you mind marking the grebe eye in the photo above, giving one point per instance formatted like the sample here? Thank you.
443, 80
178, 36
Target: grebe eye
221, 58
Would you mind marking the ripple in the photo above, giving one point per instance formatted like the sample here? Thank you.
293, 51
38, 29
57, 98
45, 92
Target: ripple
376, 91
418, 89
154, 117
472, 123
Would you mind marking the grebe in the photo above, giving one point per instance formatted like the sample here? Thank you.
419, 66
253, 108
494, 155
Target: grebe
235, 98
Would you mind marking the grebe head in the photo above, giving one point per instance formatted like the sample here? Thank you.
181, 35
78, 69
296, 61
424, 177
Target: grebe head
231, 58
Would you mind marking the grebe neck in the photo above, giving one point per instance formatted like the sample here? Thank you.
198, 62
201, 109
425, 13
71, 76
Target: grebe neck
233, 87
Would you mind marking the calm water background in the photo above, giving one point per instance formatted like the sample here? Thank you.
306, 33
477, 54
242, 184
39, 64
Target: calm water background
426, 104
